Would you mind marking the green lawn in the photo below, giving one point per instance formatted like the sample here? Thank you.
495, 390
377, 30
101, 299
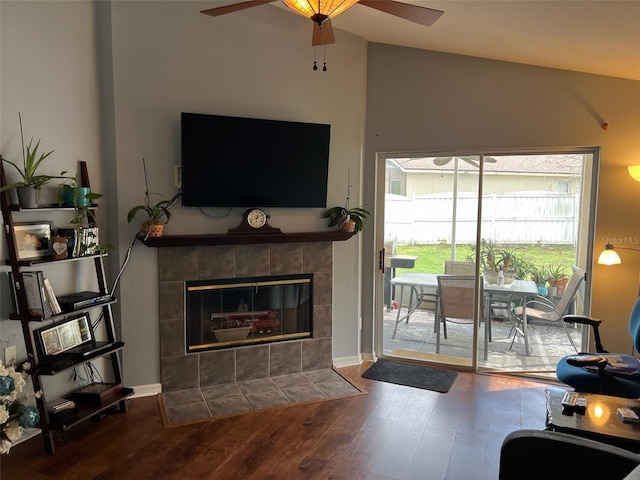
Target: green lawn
431, 258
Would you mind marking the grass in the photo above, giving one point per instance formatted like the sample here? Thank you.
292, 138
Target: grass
431, 258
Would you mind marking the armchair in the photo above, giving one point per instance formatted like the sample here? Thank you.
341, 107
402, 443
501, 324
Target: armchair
535, 454
615, 374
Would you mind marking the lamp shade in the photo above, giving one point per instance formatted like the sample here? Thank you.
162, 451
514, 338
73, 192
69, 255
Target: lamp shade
634, 171
321, 9
609, 256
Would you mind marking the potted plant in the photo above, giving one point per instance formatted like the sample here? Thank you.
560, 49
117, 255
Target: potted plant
494, 258
158, 214
558, 278
539, 274
488, 259
28, 188
347, 219
74, 195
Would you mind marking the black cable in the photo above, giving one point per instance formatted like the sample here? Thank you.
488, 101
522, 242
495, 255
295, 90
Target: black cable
213, 216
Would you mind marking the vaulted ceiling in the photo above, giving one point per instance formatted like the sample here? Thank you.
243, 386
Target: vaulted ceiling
601, 37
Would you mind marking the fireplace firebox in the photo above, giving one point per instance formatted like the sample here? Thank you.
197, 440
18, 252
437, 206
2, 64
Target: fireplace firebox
224, 313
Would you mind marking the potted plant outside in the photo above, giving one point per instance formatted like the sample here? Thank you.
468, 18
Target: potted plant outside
28, 188
494, 258
558, 278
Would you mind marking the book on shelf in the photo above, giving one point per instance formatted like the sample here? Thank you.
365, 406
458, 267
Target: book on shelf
13, 291
51, 297
35, 291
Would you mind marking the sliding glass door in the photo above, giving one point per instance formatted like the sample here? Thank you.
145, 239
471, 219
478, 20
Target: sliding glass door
515, 223
430, 226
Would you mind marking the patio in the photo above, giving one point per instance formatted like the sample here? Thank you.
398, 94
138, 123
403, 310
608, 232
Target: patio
547, 342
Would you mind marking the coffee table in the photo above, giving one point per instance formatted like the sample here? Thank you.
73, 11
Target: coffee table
599, 422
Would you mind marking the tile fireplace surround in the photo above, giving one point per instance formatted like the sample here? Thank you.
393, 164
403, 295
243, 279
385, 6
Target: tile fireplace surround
180, 371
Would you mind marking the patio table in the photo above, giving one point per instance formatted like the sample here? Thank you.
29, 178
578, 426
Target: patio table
424, 287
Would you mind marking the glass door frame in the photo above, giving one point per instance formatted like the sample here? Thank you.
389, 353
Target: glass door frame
585, 235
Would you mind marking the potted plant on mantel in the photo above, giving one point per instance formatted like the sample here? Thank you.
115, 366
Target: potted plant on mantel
347, 219
28, 188
158, 214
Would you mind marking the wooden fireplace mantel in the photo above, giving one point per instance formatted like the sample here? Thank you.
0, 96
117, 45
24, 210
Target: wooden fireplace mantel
244, 239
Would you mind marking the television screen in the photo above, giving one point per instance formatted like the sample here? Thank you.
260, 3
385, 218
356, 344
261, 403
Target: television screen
248, 162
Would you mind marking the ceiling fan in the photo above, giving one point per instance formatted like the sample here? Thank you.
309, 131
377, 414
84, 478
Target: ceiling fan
322, 11
442, 161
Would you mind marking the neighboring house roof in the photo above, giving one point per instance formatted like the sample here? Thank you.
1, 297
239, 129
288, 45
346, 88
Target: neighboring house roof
562, 164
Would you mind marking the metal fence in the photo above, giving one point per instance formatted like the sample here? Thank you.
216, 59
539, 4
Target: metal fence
515, 218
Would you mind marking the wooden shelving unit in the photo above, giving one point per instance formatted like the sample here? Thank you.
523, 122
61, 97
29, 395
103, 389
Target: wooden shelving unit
117, 401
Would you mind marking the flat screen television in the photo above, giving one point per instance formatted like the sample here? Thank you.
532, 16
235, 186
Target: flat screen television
248, 162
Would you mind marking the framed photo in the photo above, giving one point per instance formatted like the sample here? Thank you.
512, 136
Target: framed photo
33, 240
60, 337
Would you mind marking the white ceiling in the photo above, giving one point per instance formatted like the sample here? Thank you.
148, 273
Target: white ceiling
601, 37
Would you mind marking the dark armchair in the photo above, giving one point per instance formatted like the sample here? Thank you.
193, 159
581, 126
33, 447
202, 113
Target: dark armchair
615, 374
542, 454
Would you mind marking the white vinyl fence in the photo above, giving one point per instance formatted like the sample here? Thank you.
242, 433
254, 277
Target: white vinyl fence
515, 218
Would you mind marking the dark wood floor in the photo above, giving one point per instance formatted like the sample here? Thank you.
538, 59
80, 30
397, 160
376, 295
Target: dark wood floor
393, 432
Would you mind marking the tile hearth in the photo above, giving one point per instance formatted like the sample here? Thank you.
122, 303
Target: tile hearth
198, 404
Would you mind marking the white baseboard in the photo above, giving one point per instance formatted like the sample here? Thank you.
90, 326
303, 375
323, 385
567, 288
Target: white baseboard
146, 390
369, 357
347, 361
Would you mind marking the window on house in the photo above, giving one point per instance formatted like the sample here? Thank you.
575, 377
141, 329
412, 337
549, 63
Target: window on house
395, 187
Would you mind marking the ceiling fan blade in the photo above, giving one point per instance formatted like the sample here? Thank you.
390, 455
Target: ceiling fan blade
442, 161
422, 15
214, 12
323, 34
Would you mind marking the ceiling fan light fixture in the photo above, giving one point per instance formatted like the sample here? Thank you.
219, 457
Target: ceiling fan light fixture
327, 8
319, 18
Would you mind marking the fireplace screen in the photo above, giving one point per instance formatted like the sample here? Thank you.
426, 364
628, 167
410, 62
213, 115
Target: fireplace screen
246, 311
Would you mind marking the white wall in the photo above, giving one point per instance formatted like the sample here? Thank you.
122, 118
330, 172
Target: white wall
428, 101
48, 74
169, 58
105, 82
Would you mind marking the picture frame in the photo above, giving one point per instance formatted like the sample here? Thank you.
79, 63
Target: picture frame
33, 240
60, 337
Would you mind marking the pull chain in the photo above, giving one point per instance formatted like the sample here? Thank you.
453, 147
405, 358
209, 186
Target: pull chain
315, 62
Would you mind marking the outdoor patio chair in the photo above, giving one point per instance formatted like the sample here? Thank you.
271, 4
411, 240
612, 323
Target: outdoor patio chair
454, 267
456, 301
543, 309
